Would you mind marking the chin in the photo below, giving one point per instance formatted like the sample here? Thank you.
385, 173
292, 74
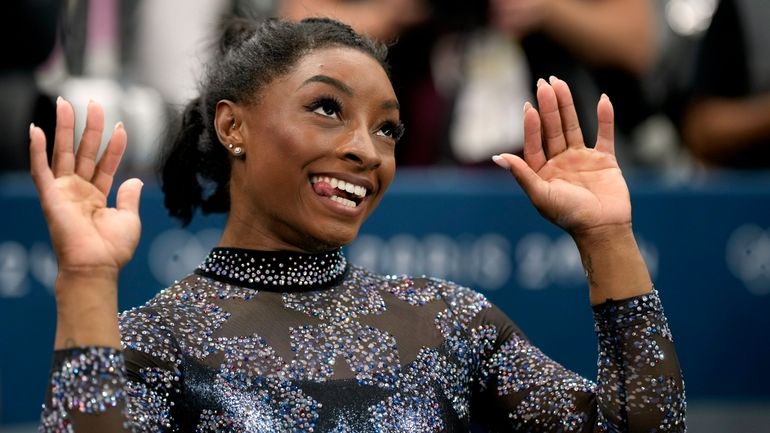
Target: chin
328, 241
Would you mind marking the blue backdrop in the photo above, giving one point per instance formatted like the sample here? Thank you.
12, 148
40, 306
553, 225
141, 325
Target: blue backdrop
707, 245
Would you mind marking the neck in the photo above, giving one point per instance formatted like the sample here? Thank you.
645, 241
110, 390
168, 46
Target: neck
240, 233
284, 271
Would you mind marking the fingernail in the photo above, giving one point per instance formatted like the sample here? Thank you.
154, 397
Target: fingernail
118, 125
31, 128
540, 82
499, 160
527, 106
552, 79
604, 96
59, 100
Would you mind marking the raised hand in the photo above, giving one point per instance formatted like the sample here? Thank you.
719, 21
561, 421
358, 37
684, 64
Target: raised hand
578, 188
88, 237
581, 189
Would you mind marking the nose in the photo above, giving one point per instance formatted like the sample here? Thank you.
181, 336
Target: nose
360, 149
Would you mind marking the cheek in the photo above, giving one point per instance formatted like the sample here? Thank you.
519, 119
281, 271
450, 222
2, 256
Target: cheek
298, 144
388, 168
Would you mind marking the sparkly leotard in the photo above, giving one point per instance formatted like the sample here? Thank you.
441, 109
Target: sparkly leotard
289, 342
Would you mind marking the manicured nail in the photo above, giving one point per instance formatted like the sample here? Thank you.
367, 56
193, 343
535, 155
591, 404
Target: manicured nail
499, 160
31, 128
59, 100
540, 82
604, 96
552, 79
527, 106
118, 125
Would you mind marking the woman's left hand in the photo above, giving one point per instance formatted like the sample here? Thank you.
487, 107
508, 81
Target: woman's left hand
578, 188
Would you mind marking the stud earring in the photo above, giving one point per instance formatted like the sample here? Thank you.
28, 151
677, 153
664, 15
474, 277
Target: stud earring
237, 150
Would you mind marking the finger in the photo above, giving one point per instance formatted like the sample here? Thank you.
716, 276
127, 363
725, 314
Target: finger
551, 119
532, 184
38, 159
569, 118
85, 160
534, 154
63, 157
110, 160
128, 195
605, 138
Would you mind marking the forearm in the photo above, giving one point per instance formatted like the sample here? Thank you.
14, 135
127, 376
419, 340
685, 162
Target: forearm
94, 385
87, 392
609, 32
87, 310
640, 386
613, 264
715, 129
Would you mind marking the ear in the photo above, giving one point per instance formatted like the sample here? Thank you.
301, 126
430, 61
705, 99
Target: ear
227, 121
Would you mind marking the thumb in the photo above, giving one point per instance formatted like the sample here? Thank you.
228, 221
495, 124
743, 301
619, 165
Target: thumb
128, 195
529, 181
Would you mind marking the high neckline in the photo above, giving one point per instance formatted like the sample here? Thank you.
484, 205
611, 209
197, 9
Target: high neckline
275, 271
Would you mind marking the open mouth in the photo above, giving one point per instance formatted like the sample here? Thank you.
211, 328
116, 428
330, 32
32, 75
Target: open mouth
345, 193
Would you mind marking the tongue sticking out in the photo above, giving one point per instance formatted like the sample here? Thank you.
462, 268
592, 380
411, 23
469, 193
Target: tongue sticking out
324, 189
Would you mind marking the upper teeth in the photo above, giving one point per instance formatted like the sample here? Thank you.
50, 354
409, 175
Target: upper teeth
341, 185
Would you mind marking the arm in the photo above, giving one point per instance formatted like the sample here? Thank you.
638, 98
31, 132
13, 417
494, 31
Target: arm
91, 241
582, 190
604, 32
638, 388
726, 122
717, 129
89, 388
94, 389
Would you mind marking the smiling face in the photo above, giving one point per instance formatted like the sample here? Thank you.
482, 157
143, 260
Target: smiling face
318, 153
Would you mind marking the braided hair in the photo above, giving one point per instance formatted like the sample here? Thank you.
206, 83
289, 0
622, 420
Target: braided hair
195, 166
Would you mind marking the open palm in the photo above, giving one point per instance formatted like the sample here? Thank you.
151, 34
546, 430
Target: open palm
87, 235
576, 187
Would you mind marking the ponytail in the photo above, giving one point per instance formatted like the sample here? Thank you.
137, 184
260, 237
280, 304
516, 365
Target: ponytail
194, 170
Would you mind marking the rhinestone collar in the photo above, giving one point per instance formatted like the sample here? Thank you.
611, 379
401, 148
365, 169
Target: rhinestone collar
276, 271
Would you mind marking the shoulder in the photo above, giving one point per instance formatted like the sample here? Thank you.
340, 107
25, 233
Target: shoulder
180, 319
460, 307
423, 289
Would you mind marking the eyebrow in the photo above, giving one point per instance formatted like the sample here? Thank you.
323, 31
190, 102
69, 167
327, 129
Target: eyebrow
330, 81
388, 105
391, 105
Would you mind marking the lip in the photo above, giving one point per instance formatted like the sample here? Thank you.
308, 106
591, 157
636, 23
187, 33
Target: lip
347, 177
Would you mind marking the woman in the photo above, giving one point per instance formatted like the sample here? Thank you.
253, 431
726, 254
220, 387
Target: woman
294, 135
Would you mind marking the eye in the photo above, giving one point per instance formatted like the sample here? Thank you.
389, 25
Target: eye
391, 130
326, 106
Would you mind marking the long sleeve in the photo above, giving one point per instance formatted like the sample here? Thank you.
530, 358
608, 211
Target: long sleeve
639, 386
368, 353
102, 390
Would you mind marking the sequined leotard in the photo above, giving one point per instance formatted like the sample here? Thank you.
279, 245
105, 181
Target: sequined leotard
289, 342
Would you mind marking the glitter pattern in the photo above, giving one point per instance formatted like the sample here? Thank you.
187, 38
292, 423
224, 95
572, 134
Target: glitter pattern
339, 304
231, 348
274, 268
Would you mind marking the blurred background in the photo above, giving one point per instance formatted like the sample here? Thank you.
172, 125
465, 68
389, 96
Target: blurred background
690, 82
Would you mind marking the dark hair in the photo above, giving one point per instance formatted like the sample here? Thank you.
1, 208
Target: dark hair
195, 167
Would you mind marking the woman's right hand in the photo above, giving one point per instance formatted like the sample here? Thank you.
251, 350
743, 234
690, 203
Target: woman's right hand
89, 238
